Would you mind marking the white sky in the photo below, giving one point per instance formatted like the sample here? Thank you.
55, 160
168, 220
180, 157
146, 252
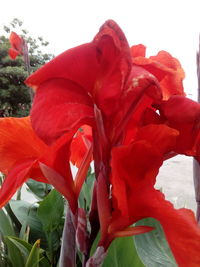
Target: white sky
171, 25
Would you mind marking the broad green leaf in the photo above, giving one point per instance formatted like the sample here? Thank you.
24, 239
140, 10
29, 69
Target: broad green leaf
26, 213
152, 247
22, 248
15, 257
21, 209
6, 227
51, 210
34, 256
40, 190
25, 244
122, 253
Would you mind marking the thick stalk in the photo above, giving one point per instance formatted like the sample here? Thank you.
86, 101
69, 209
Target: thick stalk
68, 246
93, 218
196, 166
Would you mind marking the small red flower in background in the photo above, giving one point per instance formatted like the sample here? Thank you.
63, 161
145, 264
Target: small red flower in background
17, 45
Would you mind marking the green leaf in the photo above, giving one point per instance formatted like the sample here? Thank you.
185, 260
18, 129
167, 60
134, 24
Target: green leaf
25, 244
34, 256
21, 209
40, 190
152, 247
15, 256
23, 248
85, 195
6, 227
51, 210
26, 213
122, 253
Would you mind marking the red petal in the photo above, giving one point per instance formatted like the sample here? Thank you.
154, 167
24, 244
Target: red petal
167, 70
184, 115
60, 106
80, 145
82, 171
13, 53
61, 184
138, 50
15, 179
56, 168
113, 54
137, 166
134, 171
78, 65
129, 231
16, 42
161, 137
181, 229
181, 109
100, 68
18, 142
142, 92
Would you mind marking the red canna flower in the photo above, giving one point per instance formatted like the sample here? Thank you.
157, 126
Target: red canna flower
17, 45
97, 74
118, 93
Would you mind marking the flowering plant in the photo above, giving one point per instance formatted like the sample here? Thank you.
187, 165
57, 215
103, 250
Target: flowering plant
105, 102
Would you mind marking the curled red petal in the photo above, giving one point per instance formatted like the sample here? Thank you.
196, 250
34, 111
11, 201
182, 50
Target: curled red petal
78, 65
56, 168
180, 109
80, 145
183, 114
59, 106
61, 184
162, 137
15, 179
143, 91
83, 170
166, 69
113, 54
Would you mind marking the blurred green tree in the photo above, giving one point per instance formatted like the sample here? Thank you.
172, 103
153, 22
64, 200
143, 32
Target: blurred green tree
14, 94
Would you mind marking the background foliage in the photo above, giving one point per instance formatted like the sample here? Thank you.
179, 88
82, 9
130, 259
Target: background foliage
14, 95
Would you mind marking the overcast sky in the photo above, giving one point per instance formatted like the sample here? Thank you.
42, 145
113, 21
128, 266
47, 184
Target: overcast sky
171, 25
